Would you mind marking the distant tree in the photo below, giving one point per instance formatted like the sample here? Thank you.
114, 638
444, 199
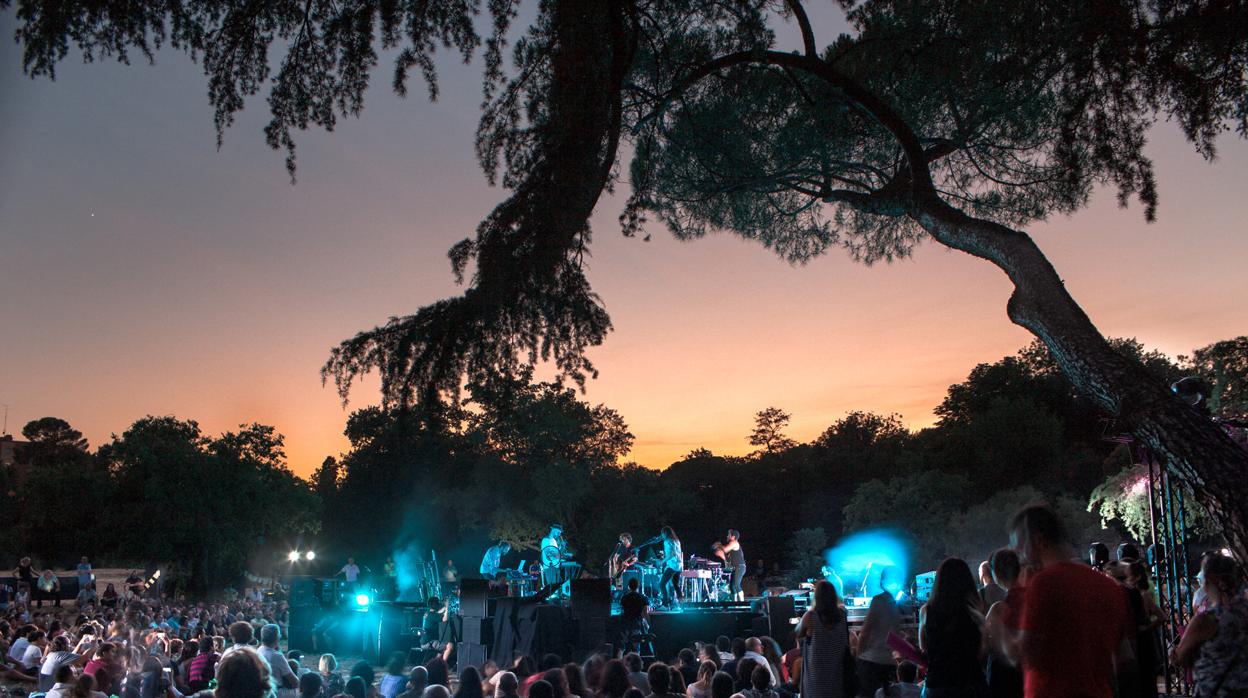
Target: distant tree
768, 434
805, 554
325, 479
55, 432
1224, 365
922, 505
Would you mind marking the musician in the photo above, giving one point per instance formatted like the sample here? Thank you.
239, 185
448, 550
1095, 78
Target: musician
734, 560
493, 559
673, 564
622, 557
554, 552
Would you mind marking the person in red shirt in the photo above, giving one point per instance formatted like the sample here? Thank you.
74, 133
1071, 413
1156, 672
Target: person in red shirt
1074, 618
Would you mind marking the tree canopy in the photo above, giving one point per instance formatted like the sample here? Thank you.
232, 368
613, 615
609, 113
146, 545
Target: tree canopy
949, 121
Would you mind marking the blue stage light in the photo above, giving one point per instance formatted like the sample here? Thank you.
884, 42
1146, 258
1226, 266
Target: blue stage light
869, 560
362, 600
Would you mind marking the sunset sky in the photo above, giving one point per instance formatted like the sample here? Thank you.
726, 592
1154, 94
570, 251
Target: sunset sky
142, 271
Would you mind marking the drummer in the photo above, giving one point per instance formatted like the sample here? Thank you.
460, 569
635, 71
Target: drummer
492, 562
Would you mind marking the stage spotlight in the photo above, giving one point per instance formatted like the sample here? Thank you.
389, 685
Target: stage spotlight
310, 555
293, 556
362, 600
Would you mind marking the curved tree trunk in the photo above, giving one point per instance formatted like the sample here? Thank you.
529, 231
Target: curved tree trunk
1194, 447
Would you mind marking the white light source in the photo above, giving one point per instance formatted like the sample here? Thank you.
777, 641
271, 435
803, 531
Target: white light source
310, 555
293, 556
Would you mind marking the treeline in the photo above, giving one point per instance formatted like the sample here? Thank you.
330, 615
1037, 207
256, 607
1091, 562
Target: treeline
517, 455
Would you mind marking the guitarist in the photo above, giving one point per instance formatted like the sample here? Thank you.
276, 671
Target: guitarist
623, 557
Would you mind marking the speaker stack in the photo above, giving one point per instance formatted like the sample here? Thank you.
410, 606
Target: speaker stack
591, 607
478, 626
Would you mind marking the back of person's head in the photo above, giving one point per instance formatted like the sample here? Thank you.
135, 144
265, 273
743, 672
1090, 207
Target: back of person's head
439, 672
551, 661
633, 584
827, 603
469, 683
722, 685
615, 678
675, 681
723, 644
687, 657
745, 672
907, 672
659, 677
760, 678
328, 664
270, 635
1038, 524
706, 670
310, 685
243, 673
356, 688
576, 680
1005, 566
436, 690
418, 679
557, 680
753, 644
82, 687
633, 661
64, 673
541, 689
60, 643
508, 684
1139, 570
397, 662
1221, 574
241, 632
954, 589
364, 670
634, 692
738, 647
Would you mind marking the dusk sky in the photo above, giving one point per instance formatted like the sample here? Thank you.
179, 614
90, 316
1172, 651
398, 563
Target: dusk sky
145, 272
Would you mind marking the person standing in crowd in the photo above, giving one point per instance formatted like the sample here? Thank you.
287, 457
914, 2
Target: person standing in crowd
1074, 618
25, 574
990, 592
875, 664
85, 575
492, 562
393, 681
1216, 642
824, 633
1146, 618
673, 564
951, 634
1004, 679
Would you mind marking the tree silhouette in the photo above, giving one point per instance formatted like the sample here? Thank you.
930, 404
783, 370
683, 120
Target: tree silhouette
768, 434
946, 121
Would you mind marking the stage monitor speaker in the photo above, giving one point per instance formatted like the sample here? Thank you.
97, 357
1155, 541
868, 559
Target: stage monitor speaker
591, 598
478, 631
469, 654
474, 599
780, 612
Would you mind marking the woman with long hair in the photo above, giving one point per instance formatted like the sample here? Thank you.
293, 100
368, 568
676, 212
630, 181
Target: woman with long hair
576, 681
951, 633
469, 684
1004, 679
673, 565
824, 634
702, 687
243, 673
1148, 617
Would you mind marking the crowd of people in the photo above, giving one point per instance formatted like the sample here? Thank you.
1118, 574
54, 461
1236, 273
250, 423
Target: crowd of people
1037, 624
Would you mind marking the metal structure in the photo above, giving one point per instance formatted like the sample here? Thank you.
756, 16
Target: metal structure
1169, 561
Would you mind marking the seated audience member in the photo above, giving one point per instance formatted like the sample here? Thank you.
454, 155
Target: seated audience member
469, 684
636, 676
417, 681
660, 678
576, 681
311, 685
243, 673
722, 685
541, 689
334, 683
508, 685
394, 680
616, 679
356, 688
687, 663
701, 688
906, 686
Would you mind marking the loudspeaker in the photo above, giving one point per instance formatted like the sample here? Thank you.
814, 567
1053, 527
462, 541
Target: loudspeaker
591, 598
780, 610
299, 629
469, 654
305, 591
478, 631
474, 598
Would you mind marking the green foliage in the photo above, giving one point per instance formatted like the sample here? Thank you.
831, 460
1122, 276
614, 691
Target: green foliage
805, 554
1224, 365
1123, 499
